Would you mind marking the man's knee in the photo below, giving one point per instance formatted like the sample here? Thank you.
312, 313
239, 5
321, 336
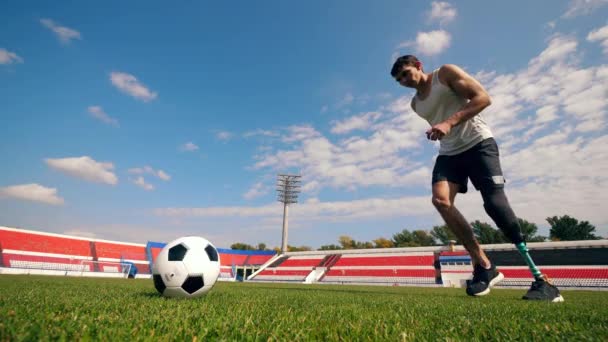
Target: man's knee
441, 203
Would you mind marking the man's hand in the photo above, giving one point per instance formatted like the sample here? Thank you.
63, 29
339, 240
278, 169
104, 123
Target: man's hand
438, 131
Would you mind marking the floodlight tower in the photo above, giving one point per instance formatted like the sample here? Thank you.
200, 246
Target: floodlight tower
288, 187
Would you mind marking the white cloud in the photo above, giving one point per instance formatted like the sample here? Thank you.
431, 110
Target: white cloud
300, 133
163, 175
316, 210
32, 192
583, 7
8, 57
151, 171
345, 101
311, 187
141, 182
353, 161
549, 119
65, 34
429, 43
362, 121
257, 190
85, 168
217, 211
600, 35
129, 84
559, 48
553, 86
189, 147
98, 113
442, 12
223, 135
546, 114
136, 233
261, 132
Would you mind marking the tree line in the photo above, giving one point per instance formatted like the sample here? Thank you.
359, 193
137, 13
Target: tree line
563, 228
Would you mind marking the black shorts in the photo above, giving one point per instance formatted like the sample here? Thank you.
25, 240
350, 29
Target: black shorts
480, 163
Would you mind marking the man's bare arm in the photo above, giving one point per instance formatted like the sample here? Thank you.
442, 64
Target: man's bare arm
468, 87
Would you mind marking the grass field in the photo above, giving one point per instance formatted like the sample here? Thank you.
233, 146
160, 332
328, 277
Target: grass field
51, 308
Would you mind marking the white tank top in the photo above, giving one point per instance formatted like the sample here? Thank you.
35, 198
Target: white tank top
441, 103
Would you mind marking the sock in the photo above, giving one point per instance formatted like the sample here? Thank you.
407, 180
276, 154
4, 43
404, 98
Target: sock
523, 250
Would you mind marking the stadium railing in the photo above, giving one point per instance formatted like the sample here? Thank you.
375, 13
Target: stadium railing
571, 264
31, 252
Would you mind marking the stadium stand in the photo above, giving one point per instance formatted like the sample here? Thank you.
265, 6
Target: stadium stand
570, 264
575, 264
238, 264
382, 266
14, 240
122, 252
27, 251
385, 268
292, 269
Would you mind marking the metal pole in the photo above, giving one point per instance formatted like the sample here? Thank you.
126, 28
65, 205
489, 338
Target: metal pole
285, 224
288, 187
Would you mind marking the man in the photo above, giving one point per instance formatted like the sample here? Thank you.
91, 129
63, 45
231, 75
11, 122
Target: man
451, 101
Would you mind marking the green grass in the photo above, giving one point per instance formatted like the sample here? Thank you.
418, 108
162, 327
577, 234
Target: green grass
64, 308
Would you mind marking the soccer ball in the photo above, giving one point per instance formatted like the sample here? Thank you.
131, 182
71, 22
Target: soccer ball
186, 268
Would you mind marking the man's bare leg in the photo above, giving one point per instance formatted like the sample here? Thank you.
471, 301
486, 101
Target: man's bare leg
444, 193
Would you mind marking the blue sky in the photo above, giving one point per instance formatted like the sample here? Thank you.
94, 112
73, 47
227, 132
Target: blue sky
140, 121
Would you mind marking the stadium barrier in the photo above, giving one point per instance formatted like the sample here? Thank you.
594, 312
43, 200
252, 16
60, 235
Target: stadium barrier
570, 264
31, 252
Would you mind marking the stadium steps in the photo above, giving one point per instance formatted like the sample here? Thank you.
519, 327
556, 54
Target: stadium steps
324, 260
328, 262
279, 261
94, 255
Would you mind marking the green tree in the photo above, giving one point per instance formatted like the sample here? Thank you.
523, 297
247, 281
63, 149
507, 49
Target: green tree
298, 249
261, 246
566, 228
346, 242
242, 246
423, 238
443, 234
404, 239
329, 247
528, 230
383, 243
362, 244
487, 234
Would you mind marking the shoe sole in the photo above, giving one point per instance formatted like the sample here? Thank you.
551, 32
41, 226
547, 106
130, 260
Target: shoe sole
558, 299
493, 282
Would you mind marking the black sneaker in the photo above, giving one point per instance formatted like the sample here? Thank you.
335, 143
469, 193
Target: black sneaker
483, 279
542, 289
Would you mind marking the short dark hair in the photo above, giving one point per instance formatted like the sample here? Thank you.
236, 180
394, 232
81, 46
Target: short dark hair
401, 61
